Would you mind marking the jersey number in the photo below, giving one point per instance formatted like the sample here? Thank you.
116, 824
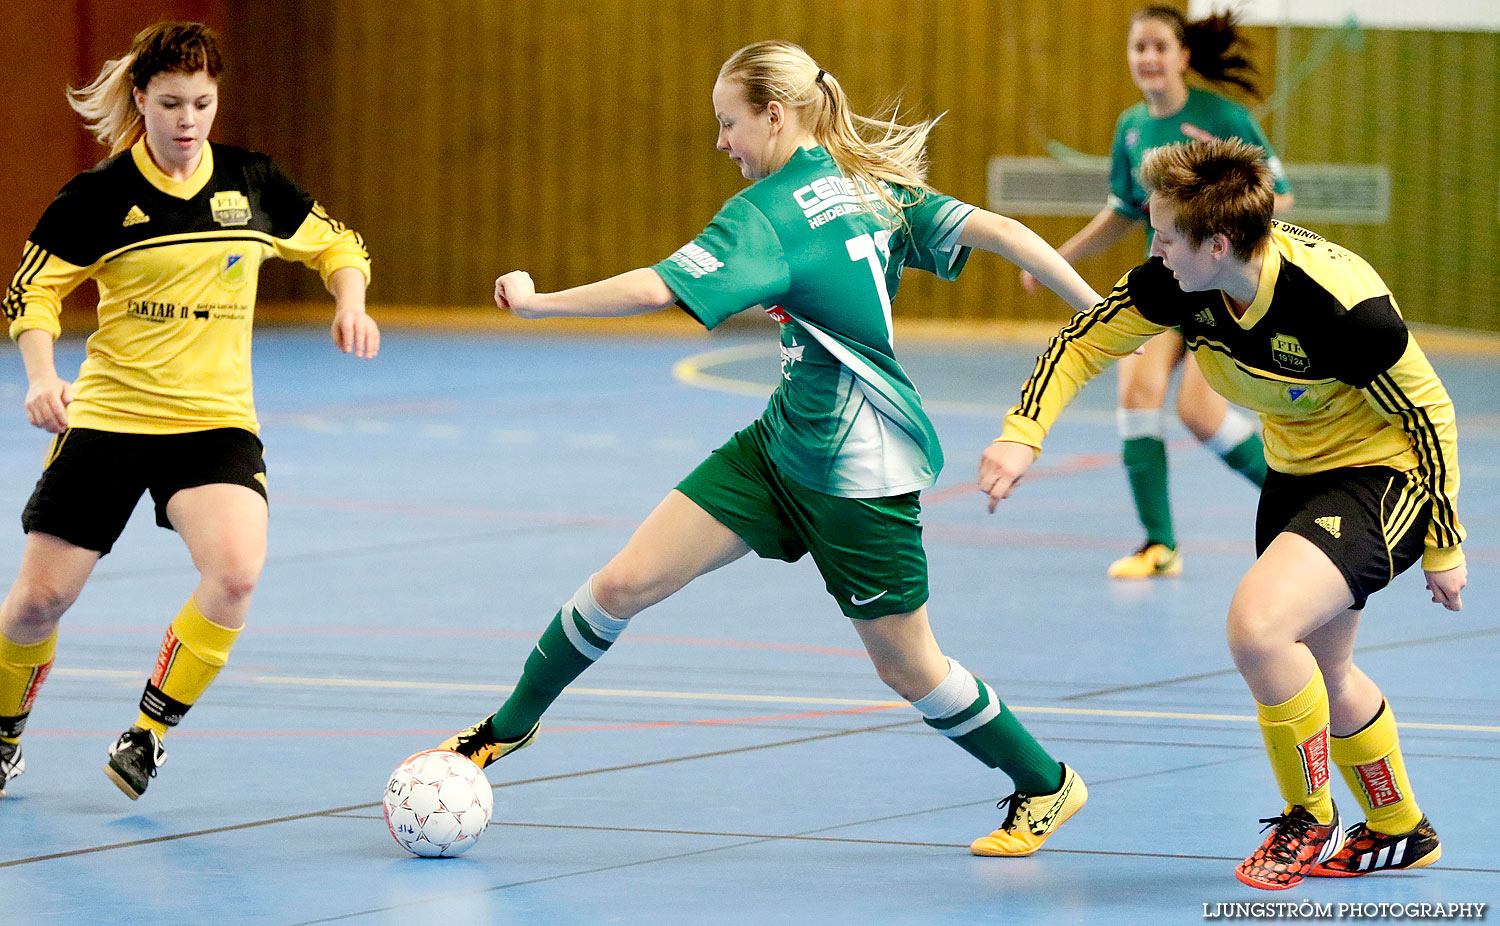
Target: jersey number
876, 251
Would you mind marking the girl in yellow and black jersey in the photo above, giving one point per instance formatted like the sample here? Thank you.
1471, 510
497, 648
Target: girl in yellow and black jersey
173, 230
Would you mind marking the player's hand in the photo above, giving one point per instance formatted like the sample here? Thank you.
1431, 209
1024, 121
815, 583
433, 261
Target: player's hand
1000, 469
513, 291
47, 402
1030, 283
1446, 585
355, 332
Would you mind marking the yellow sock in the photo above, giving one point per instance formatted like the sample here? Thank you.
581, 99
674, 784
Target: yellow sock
192, 653
1296, 735
23, 668
1370, 761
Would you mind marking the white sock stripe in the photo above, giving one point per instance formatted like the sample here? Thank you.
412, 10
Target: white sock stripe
604, 624
990, 712
956, 691
576, 637
1138, 422
1233, 432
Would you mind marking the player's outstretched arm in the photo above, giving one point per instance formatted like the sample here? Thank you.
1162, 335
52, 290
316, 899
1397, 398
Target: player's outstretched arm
353, 330
1027, 250
1001, 467
634, 292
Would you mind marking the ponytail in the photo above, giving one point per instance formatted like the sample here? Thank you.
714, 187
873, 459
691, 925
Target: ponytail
871, 151
1215, 45
107, 104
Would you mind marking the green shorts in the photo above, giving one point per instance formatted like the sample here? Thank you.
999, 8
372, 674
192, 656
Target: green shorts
868, 550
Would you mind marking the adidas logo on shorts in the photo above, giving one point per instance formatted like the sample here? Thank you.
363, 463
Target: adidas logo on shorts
1329, 524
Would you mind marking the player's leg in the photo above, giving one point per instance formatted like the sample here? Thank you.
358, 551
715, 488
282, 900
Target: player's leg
1142, 391
965, 709
869, 552
52, 574
1223, 429
80, 505
210, 488
1365, 745
677, 542
1292, 589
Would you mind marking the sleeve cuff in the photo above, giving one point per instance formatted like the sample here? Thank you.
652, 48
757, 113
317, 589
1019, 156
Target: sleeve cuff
1441, 559
26, 323
326, 270
1022, 430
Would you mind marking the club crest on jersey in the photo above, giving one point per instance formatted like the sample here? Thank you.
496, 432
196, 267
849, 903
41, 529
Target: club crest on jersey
232, 272
1288, 353
230, 207
1300, 397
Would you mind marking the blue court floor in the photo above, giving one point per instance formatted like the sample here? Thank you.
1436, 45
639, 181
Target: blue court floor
734, 758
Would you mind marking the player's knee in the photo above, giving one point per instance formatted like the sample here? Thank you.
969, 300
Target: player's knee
36, 604
234, 583
902, 677
1253, 629
622, 591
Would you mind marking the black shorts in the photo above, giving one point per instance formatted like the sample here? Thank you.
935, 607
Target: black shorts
93, 479
1370, 520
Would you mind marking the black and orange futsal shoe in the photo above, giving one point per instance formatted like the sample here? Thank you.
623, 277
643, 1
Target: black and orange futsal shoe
1366, 851
479, 744
1297, 843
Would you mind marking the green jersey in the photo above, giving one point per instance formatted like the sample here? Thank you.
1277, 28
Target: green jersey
819, 253
1137, 133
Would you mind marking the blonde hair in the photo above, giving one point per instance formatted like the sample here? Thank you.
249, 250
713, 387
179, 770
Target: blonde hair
873, 151
107, 104
1219, 187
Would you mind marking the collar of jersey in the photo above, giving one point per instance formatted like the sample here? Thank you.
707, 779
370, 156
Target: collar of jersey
182, 189
1270, 269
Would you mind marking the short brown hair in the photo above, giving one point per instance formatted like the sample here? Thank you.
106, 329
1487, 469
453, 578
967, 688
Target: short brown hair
1220, 187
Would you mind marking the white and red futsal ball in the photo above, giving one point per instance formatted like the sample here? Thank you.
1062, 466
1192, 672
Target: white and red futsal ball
437, 804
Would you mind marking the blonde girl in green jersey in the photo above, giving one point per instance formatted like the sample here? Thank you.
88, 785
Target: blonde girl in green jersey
1162, 46
837, 208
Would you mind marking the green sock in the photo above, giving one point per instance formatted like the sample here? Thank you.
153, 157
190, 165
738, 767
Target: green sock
1146, 466
551, 667
1248, 458
967, 711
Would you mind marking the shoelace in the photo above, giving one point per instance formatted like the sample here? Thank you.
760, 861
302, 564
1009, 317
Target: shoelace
1011, 804
1291, 828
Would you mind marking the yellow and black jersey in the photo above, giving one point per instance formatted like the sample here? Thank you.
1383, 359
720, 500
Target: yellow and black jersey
177, 263
1322, 355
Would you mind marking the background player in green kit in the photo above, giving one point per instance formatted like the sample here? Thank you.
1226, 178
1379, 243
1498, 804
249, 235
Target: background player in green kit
1160, 49
835, 465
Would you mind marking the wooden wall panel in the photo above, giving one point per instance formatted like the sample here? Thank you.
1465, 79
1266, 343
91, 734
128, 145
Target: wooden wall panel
469, 137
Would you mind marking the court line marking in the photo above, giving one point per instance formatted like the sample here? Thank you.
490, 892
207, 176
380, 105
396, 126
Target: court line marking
73, 853
713, 696
1226, 673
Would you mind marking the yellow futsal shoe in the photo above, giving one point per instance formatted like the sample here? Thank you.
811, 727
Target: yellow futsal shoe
1032, 818
1152, 560
479, 745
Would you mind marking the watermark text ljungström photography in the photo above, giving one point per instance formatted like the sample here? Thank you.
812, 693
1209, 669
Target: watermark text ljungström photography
1310, 910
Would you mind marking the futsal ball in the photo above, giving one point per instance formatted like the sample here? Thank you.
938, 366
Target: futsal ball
437, 803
